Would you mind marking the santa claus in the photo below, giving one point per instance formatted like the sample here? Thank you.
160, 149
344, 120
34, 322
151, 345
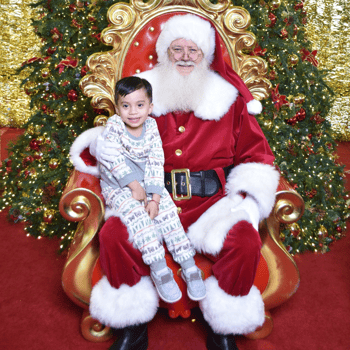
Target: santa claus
219, 169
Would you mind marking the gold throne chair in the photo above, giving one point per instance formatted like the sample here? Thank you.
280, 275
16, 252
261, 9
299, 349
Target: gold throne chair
132, 33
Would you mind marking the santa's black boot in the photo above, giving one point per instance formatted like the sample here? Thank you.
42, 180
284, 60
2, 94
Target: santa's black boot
217, 341
132, 338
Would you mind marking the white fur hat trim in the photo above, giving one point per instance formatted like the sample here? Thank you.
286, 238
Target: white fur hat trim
189, 27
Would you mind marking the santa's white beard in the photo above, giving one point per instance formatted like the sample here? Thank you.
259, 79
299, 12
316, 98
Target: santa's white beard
178, 92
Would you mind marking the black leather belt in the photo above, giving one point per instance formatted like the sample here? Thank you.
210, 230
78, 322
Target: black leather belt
203, 183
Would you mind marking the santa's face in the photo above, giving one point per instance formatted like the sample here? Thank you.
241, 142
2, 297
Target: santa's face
184, 55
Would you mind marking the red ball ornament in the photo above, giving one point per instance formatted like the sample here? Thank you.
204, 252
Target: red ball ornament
72, 95
34, 145
339, 229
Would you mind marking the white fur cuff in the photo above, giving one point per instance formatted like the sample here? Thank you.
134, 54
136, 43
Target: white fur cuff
81, 142
228, 314
125, 306
258, 180
209, 232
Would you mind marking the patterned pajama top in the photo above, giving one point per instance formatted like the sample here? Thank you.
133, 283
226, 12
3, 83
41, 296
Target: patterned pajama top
141, 158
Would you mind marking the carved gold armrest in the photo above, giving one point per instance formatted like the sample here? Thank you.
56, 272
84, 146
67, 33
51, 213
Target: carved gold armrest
284, 275
81, 203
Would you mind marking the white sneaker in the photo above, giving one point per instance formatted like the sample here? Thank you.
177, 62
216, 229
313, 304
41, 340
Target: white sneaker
166, 286
195, 286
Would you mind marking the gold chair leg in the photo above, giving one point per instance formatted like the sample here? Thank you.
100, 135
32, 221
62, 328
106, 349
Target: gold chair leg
93, 330
264, 330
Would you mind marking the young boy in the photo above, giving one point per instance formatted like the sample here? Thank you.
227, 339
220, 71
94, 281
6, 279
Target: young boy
133, 185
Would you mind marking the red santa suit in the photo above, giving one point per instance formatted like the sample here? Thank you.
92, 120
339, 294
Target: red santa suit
216, 134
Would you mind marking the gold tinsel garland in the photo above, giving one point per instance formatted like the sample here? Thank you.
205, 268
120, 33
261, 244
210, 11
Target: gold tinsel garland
18, 43
328, 29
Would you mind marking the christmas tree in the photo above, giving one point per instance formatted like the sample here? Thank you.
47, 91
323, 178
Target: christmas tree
293, 119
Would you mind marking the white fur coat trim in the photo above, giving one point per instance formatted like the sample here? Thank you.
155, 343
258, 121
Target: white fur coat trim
125, 306
216, 89
258, 180
208, 233
80, 143
227, 314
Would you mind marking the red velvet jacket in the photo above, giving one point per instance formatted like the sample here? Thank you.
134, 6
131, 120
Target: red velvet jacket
209, 144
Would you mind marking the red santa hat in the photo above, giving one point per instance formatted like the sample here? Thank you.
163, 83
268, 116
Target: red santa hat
206, 37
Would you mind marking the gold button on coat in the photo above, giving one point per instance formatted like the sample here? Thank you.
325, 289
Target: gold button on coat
178, 152
179, 210
181, 128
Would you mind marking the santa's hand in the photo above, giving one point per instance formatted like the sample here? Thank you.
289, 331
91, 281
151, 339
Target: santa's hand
103, 150
249, 206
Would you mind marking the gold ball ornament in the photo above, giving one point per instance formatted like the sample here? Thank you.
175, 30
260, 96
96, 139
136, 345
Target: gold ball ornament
272, 60
39, 191
274, 4
48, 216
38, 129
30, 130
45, 72
299, 99
31, 87
53, 163
268, 124
43, 226
293, 59
294, 229
40, 139
322, 231
55, 37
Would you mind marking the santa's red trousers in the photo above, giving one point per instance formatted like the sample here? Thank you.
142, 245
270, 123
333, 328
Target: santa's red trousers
234, 267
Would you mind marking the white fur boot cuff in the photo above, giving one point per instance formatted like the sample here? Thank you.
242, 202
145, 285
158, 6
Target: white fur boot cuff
227, 314
125, 306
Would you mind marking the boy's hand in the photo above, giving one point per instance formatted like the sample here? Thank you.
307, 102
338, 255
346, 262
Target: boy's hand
138, 191
152, 209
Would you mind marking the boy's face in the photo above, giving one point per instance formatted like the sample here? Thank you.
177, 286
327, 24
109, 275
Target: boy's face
134, 109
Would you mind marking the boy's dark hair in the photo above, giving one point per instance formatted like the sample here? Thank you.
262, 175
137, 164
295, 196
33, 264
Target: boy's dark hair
128, 85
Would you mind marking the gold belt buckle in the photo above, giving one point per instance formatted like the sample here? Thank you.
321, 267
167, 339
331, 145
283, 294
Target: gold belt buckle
188, 184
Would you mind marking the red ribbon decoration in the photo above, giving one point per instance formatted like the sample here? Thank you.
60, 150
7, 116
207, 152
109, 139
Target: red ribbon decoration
278, 100
306, 55
68, 62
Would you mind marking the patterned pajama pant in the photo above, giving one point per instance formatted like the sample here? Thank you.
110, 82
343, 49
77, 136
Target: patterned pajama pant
147, 234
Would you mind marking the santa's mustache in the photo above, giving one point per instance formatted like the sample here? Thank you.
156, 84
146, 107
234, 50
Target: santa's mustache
184, 63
